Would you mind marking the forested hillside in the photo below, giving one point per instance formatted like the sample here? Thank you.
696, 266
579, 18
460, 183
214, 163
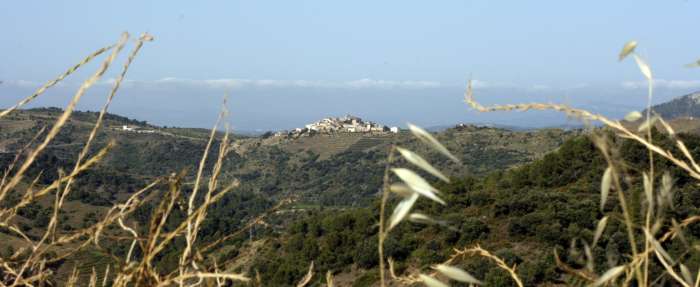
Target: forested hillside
308, 169
523, 215
304, 170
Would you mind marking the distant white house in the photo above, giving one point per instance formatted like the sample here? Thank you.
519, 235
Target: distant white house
394, 130
348, 124
136, 129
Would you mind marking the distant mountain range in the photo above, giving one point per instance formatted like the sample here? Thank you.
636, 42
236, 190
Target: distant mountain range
441, 128
681, 107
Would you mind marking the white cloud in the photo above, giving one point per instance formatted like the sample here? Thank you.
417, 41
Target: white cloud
578, 86
540, 87
366, 83
22, 83
661, 83
369, 83
478, 84
225, 83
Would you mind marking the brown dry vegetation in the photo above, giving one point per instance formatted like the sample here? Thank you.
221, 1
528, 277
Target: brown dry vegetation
31, 261
167, 250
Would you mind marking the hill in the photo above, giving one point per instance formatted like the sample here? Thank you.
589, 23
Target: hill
328, 171
523, 215
681, 107
345, 167
682, 114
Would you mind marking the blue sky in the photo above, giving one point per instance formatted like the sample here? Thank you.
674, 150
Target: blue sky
288, 62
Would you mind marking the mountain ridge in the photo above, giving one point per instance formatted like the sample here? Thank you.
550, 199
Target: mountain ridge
684, 106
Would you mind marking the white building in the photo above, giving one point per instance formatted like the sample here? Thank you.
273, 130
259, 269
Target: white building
394, 130
348, 123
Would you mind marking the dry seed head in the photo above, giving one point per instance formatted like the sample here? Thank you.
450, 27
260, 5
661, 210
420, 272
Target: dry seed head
401, 210
609, 275
428, 139
146, 37
666, 196
329, 279
307, 278
633, 116
589, 256
648, 190
648, 123
599, 229
695, 64
627, 49
669, 129
418, 184
421, 218
687, 275
658, 248
457, 274
666, 183
643, 67
431, 282
401, 189
418, 161
657, 225
605, 186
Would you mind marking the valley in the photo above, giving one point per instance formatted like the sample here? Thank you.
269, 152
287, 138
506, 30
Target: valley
349, 144
509, 183
337, 171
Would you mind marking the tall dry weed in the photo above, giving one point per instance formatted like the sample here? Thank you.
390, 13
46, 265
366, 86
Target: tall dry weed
28, 265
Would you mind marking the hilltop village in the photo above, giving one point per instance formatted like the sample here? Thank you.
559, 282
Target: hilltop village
346, 124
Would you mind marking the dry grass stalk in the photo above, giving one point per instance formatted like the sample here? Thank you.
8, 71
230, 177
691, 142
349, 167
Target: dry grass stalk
382, 213
250, 224
457, 256
19, 154
33, 262
28, 265
63, 118
53, 82
653, 204
329, 279
603, 145
585, 116
412, 187
307, 278
193, 225
580, 273
499, 262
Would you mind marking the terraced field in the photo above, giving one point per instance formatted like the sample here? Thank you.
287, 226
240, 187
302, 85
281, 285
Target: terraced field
366, 143
84, 262
328, 145
323, 145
